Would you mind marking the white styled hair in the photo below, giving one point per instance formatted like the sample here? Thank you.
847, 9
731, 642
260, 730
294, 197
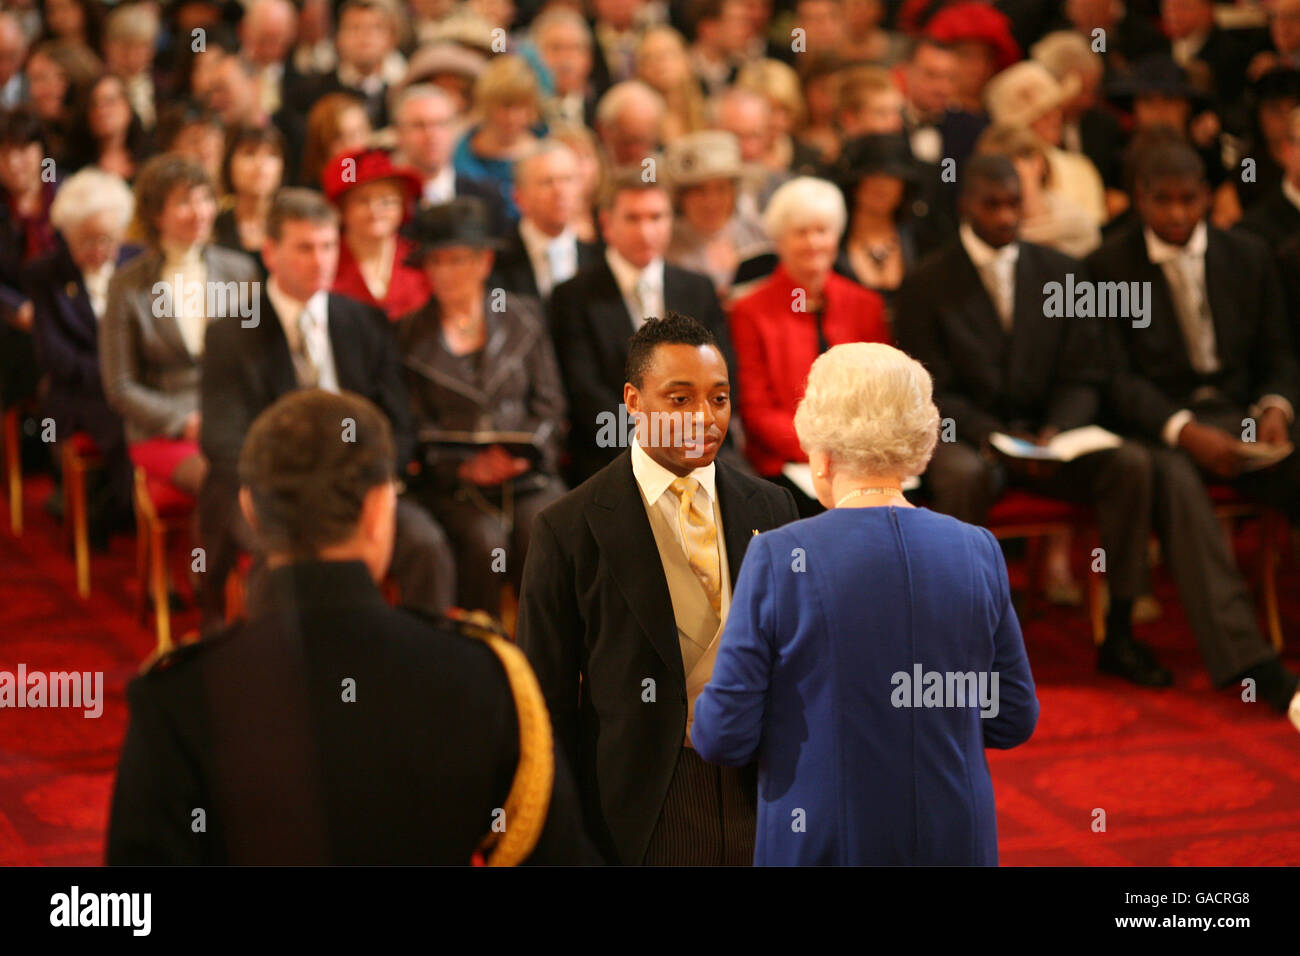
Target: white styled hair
871, 408
803, 200
626, 94
89, 193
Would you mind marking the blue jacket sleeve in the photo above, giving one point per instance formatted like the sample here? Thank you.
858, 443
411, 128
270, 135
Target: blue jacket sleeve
729, 713
1017, 706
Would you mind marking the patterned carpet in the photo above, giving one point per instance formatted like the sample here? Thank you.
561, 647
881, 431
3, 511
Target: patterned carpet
1185, 776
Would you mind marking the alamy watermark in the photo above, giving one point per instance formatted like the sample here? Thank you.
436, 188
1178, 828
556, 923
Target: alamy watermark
657, 430
923, 688
216, 300
1086, 299
84, 689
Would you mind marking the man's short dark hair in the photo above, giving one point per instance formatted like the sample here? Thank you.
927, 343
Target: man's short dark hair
295, 204
1169, 159
625, 179
988, 168
673, 329
308, 461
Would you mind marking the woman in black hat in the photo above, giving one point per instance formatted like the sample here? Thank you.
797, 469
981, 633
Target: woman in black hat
890, 223
488, 401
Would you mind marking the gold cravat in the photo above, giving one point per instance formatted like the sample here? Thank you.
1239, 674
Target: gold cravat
700, 538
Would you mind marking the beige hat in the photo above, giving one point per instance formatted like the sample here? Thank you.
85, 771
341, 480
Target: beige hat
698, 157
1023, 93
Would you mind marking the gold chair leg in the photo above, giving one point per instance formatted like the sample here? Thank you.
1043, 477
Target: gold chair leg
74, 486
158, 577
1269, 532
14, 472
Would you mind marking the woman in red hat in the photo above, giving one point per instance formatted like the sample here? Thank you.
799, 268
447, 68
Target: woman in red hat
374, 198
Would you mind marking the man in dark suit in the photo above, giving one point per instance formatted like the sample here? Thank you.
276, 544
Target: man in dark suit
306, 337
976, 314
626, 586
329, 727
595, 313
1210, 379
424, 117
366, 35
1275, 218
1196, 41
934, 130
543, 251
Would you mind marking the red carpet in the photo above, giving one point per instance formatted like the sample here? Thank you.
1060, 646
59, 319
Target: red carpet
1187, 776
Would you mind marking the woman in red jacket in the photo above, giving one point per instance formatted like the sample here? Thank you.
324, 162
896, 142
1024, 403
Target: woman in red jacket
798, 313
374, 198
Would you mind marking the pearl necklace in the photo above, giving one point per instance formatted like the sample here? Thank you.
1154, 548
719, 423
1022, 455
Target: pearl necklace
863, 492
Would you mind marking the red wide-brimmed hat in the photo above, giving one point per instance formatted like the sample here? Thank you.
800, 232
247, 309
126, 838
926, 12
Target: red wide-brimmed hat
979, 23
349, 170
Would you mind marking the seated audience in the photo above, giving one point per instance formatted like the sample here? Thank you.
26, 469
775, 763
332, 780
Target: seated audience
69, 292
544, 250
795, 315
1209, 368
630, 119
710, 235
508, 104
564, 45
159, 306
973, 312
306, 337
662, 64
107, 132
804, 667
253, 172
374, 197
246, 720
478, 363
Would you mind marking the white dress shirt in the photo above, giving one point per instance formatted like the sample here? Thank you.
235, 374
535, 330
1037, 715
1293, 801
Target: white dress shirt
997, 269
554, 260
185, 272
96, 284
307, 322
642, 289
1290, 192
1184, 269
654, 480
441, 188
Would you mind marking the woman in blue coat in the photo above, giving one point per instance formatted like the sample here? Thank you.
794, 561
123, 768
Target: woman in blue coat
871, 653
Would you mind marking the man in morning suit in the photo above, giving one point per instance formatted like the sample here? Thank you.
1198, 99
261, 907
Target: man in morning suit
306, 336
330, 727
1214, 363
595, 313
626, 587
974, 313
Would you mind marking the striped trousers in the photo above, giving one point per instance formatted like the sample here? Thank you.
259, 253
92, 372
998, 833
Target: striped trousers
708, 819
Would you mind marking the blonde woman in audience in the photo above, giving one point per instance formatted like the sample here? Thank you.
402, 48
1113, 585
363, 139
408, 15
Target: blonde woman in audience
336, 124
663, 63
507, 102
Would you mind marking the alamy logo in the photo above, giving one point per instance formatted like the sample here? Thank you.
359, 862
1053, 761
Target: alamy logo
1098, 300
216, 300
83, 689
103, 909
923, 688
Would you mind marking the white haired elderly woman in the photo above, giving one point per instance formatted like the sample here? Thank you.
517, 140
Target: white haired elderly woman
68, 288
872, 652
798, 313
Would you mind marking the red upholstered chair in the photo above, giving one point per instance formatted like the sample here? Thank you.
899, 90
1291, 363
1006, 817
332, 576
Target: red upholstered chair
1230, 507
79, 454
14, 466
159, 510
1022, 514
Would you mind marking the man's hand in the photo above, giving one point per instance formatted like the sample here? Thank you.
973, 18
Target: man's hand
492, 466
1273, 428
1214, 449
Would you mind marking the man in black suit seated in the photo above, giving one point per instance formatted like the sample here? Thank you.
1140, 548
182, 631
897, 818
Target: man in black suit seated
543, 251
305, 336
1275, 218
424, 118
366, 35
595, 313
934, 130
1214, 366
625, 591
329, 727
975, 313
